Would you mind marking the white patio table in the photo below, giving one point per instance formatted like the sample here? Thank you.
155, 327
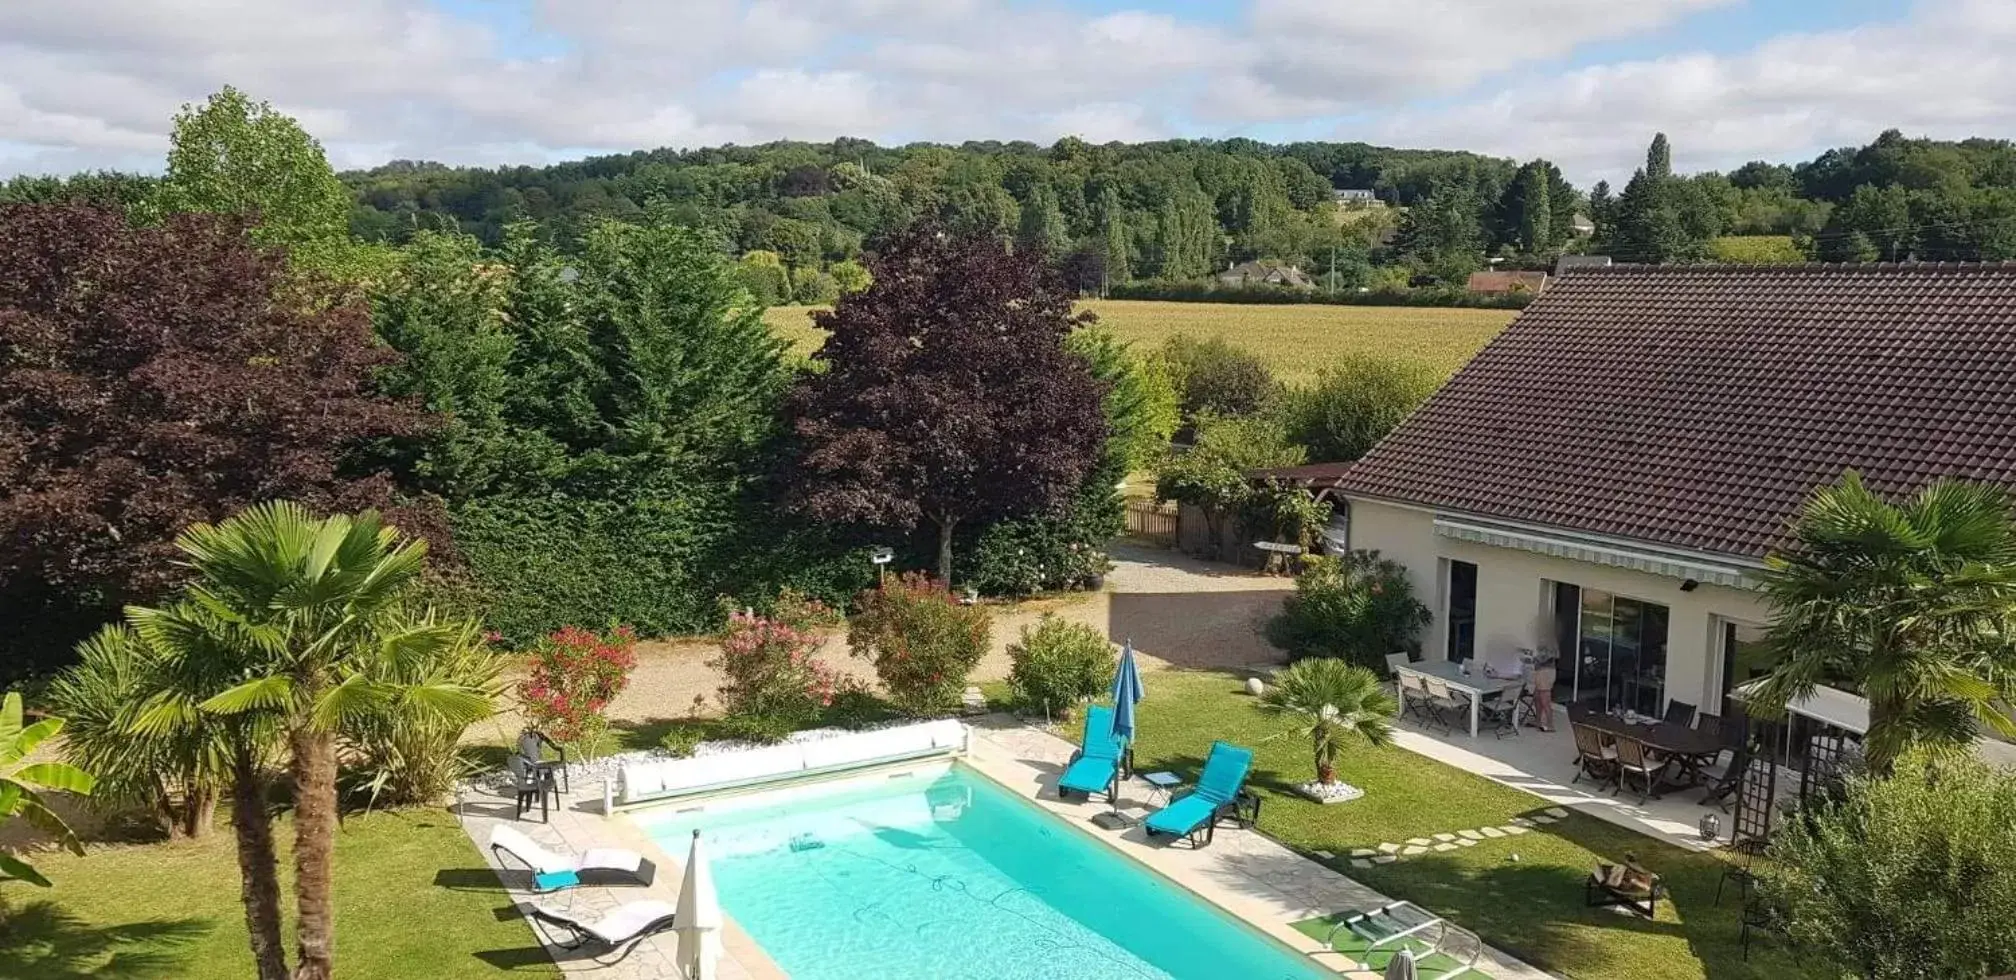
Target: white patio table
1474, 683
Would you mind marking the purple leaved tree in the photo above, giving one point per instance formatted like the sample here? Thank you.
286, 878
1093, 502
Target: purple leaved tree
947, 397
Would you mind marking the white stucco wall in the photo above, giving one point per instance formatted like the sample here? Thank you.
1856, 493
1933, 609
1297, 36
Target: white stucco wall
1512, 592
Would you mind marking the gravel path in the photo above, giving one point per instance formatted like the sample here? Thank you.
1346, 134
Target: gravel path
1177, 610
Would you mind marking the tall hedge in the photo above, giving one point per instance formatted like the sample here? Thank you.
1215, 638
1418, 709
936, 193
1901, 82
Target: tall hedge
610, 421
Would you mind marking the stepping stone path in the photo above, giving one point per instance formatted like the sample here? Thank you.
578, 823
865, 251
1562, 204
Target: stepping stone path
1387, 852
1326, 855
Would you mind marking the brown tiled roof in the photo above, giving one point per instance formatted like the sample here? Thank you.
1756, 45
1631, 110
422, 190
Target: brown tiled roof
1696, 406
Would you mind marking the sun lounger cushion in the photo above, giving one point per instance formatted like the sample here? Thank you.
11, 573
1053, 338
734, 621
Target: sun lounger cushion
1224, 775
1100, 757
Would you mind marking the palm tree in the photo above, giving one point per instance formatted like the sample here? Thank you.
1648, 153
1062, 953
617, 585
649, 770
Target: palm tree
316, 608
1330, 699
22, 786
1913, 603
187, 660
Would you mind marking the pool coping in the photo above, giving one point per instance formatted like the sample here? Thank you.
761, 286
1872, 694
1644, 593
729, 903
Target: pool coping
1256, 880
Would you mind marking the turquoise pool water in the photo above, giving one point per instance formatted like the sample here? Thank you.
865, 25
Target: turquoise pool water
955, 877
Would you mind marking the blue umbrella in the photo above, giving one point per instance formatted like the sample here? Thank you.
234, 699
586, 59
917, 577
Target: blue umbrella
1126, 691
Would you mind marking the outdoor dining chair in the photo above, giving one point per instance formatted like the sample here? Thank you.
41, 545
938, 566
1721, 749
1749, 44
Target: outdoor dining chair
1502, 712
1634, 761
1442, 701
1594, 757
1680, 713
1414, 698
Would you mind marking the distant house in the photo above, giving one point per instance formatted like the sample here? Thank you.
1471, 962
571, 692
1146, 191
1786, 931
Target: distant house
1581, 226
1501, 283
1258, 273
1354, 195
1566, 262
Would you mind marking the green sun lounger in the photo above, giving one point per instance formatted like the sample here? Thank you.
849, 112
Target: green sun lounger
1217, 796
1100, 761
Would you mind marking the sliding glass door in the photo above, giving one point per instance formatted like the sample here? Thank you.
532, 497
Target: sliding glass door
1619, 648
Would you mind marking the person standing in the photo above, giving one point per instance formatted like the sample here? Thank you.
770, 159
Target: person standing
1544, 658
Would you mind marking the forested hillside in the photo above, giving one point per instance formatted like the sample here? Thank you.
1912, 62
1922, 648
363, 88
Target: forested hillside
797, 214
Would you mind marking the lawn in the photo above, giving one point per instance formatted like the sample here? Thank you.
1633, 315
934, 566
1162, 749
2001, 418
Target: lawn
1296, 340
413, 900
1522, 894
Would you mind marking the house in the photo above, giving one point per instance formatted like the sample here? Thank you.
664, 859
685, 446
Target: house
1260, 273
1607, 476
1580, 226
1501, 283
1563, 263
1354, 195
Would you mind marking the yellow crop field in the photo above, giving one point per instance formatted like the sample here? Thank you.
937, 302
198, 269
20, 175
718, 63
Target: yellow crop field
1296, 340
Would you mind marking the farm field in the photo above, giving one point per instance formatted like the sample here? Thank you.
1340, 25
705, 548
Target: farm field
1295, 340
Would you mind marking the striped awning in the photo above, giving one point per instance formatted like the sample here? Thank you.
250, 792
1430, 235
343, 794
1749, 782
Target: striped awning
1613, 553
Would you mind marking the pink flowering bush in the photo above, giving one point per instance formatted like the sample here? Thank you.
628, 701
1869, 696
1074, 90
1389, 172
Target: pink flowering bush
575, 673
770, 672
922, 641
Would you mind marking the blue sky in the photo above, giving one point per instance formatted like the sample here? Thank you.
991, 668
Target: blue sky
1582, 82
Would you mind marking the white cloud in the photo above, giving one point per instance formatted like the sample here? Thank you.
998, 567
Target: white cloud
1939, 71
96, 83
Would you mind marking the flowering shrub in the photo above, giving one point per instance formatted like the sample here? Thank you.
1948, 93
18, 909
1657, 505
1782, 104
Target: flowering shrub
922, 641
1357, 606
1058, 663
575, 674
769, 671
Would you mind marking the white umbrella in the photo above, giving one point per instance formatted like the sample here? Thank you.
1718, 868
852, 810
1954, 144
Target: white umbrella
1402, 967
699, 918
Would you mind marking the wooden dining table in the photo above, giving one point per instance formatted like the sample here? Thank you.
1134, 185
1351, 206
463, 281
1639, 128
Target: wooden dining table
1687, 748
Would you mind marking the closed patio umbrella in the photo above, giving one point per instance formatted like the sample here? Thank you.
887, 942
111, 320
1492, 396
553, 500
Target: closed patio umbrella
699, 917
1126, 693
1402, 966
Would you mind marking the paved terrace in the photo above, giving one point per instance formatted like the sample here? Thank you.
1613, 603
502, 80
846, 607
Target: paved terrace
1243, 872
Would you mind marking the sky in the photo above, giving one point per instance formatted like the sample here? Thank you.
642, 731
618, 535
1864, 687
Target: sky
88, 84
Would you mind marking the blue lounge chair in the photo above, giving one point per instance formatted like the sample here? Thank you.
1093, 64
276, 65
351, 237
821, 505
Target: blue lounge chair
1220, 793
1097, 766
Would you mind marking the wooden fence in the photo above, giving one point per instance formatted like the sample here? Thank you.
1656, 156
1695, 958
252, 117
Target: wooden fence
1151, 520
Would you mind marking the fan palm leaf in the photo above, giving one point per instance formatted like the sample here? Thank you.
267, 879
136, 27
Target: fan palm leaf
1329, 701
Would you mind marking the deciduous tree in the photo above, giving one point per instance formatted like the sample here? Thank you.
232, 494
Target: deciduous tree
150, 379
947, 394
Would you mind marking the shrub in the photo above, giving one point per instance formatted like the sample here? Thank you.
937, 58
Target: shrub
404, 754
760, 729
1359, 607
1354, 403
1215, 377
1058, 663
922, 641
851, 276
575, 674
680, 742
810, 287
1280, 512
1904, 877
1038, 554
855, 706
770, 670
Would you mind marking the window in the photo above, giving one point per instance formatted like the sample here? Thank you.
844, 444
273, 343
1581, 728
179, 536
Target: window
1462, 610
1620, 649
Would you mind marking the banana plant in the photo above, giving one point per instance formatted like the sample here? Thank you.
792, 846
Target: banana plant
22, 786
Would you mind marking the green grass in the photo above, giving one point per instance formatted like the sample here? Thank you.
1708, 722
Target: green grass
413, 900
1295, 340
1531, 907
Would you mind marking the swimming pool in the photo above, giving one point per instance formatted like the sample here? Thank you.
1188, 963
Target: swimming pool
944, 874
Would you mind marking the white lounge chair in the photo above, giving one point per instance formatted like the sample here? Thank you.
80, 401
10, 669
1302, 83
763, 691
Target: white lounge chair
625, 923
551, 871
